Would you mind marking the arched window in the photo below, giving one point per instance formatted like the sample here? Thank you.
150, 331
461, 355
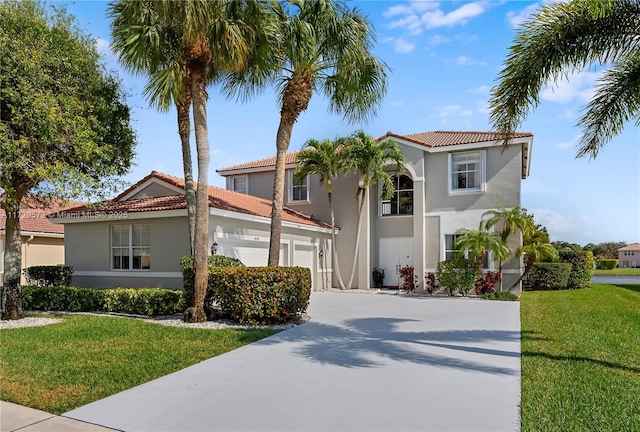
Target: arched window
401, 203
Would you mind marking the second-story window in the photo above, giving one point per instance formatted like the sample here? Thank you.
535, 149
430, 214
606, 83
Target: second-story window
401, 203
466, 172
298, 189
239, 184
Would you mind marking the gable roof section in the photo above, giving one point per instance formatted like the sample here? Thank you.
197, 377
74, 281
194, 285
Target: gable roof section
268, 163
220, 199
631, 247
451, 138
427, 140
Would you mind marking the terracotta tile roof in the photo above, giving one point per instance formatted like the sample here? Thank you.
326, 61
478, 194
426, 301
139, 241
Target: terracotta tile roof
428, 139
219, 198
33, 217
449, 138
631, 247
262, 163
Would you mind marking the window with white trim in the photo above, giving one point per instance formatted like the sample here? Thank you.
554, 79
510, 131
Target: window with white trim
401, 203
298, 189
466, 172
450, 251
131, 247
240, 184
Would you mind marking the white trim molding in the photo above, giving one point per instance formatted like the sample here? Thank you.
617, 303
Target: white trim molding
138, 274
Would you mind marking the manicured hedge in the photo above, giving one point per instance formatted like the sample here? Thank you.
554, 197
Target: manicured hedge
188, 272
550, 276
582, 268
143, 301
49, 276
606, 264
260, 295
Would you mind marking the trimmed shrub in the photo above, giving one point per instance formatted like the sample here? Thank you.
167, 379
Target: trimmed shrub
143, 301
500, 295
550, 276
431, 283
260, 295
69, 299
606, 264
188, 272
582, 268
409, 279
457, 274
49, 276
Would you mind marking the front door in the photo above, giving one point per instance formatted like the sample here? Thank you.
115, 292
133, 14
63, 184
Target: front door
395, 253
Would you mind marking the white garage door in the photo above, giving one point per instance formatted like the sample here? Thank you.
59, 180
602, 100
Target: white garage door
251, 253
303, 257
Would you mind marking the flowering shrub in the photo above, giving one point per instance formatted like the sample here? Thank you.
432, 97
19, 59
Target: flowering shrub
410, 280
431, 283
487, 283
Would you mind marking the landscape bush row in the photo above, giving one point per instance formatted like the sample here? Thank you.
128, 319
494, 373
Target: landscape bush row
574, 271
252, 295
140, 301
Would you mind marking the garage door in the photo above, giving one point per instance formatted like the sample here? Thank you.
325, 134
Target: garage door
303, 257
251, 253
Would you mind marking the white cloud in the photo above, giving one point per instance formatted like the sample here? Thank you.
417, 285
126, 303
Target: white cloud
483, 89
568, 144
576, 86
438, 40
467, 61
483, 106
460, 16
403, 46
412, 7
410, 23
517, 18
103, 47
450, 111
576, 228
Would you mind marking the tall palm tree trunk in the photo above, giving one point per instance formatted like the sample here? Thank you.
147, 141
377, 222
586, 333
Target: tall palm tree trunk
295, 100
334, 247
184, 130
12, 263
361, 196
283, 138
198, 92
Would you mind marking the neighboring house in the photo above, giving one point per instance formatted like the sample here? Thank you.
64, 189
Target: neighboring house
629, 256
451, 179
42, 241
137, 239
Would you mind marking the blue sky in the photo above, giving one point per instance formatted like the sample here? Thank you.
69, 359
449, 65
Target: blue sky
445, 57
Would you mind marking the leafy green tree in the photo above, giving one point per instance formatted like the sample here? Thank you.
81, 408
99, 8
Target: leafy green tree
480, 242
326, 47
605, 250
457, 274
510, 221
183, 46
373, 162
65, 126
566, 36
561, 245
323, 159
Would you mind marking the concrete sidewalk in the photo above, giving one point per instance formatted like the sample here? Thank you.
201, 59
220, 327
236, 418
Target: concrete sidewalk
363, 363
15, 418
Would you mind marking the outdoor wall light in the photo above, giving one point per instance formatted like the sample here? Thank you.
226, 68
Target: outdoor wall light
321, 253
214, 248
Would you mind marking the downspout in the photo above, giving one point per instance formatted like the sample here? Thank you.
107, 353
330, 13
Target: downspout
25, 258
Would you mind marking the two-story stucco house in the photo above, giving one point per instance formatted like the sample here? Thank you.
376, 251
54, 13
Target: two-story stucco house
629, 256
451, 180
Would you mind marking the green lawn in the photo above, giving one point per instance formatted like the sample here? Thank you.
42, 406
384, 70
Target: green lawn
62, 366
581, 359
618, 272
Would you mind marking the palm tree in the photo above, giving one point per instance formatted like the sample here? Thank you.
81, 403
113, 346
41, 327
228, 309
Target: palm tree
190, 44
534, 252
371, 161
511, 221
155, 50
566, 36
326, 47
323, 158
479, 242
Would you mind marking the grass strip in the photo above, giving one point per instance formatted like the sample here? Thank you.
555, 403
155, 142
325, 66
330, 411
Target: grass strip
63, 366
581, 359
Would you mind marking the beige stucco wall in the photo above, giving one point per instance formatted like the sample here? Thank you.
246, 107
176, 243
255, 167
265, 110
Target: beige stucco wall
36, 250
153, 190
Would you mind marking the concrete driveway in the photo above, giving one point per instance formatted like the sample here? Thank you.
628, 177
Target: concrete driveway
363, 363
